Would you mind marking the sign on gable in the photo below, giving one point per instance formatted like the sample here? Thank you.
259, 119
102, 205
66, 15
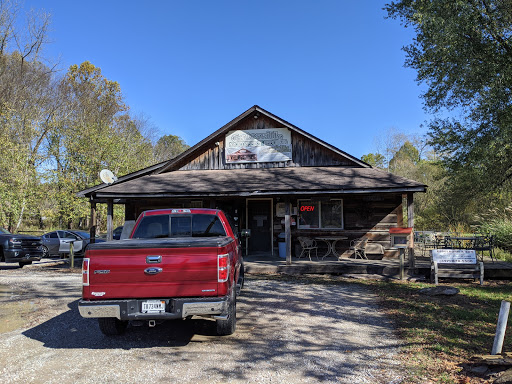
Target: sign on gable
258, 145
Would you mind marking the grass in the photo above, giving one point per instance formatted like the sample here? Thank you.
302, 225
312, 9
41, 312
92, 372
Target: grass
440, 333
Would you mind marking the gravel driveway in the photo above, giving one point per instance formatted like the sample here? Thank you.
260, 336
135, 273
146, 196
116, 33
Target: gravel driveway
288, 332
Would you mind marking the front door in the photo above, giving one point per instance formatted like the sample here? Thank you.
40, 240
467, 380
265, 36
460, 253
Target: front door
259, 221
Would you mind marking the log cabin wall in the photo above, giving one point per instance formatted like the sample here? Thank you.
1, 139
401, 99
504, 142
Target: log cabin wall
368, 216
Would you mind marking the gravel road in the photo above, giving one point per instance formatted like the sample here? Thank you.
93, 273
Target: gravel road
288, 331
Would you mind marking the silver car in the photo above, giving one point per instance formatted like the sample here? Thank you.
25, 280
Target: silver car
58, 242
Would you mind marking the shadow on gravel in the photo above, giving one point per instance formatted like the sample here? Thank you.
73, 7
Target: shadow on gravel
6, 266
287, 331
69, 330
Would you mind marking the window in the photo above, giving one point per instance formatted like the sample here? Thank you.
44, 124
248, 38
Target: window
207, 226
157, 226
321, 214
152, 227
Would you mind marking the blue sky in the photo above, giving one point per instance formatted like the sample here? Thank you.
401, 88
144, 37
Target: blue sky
332, 68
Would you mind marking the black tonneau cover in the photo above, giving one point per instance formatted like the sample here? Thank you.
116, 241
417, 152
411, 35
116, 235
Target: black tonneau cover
176, 242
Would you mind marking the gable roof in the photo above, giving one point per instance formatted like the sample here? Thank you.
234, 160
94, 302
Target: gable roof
253, 111
172, 164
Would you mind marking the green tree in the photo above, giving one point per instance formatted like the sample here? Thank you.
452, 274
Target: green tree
96, 132
375, 160
463, 54
27, 106
168, 147
410, 157
404, 159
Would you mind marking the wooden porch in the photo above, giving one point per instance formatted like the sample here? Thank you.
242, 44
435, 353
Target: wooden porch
387, 268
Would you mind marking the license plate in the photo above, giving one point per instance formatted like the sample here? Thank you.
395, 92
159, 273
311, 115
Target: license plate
153, 306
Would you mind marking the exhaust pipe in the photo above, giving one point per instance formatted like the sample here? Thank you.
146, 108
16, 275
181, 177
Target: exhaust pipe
151, 323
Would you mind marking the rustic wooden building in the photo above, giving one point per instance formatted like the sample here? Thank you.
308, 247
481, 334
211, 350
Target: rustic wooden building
272, 178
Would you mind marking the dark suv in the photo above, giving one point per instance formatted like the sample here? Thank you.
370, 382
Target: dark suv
22, 249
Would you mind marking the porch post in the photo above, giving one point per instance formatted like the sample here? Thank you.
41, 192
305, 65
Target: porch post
288, 232
92, 230
410, 224
110, 214
410, 210
400, 214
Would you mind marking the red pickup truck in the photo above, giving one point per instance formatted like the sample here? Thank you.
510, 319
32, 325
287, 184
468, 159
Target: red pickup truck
177, 263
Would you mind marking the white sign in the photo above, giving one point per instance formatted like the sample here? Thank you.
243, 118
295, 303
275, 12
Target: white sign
454, 256
258, 145
280, 209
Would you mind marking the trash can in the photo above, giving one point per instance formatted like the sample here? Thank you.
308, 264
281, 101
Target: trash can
281, 241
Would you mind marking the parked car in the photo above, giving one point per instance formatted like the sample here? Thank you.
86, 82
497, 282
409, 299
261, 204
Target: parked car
57, 242
22, 249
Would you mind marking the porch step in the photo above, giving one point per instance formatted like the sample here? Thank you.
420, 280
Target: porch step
323, 268
385, 268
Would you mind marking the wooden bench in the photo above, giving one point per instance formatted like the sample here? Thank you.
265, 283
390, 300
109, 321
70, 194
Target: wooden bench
455, 263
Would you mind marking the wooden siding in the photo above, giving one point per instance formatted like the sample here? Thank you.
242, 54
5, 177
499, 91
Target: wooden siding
370, 216
305, 152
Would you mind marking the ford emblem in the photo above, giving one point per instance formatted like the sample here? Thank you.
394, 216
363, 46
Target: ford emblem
152, 270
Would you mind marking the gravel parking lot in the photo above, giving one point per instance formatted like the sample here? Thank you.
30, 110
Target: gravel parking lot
288, 331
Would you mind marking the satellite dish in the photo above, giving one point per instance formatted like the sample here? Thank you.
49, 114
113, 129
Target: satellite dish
107, 176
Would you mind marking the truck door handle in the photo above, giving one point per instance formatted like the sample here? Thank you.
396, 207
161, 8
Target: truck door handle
153, 259
152, 270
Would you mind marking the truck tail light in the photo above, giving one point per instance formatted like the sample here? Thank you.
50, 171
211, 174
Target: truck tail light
223, 268
85, 272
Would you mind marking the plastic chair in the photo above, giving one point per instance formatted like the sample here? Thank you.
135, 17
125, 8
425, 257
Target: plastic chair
308, 245
359, 247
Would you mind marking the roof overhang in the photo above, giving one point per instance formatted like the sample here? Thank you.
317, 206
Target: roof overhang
259, 183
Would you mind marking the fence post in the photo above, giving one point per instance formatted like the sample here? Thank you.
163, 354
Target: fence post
72, 253
501, 327
402, 271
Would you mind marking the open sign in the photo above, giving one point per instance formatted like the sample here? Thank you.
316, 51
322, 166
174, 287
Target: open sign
307, 208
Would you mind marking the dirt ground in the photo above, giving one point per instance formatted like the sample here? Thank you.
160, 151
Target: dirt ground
287, 332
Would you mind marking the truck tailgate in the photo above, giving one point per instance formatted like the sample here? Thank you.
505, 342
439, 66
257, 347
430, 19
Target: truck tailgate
152, 269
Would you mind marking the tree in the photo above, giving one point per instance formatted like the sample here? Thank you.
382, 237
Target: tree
26, 108
168, 147
375, 160
463, 53
409, 156
94, 132
404, 159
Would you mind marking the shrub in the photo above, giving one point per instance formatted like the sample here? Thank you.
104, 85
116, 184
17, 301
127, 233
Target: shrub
501, 228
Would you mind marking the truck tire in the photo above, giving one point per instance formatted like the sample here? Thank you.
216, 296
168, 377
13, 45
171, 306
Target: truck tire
228, 326
111, 326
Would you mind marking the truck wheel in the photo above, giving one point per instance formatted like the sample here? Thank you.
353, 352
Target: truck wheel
46, 253
111, 326
23, 263
228, 326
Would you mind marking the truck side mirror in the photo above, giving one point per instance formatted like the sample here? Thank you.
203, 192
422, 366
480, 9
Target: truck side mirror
246, 233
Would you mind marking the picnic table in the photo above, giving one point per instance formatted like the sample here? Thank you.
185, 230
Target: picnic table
478, 243
331, 244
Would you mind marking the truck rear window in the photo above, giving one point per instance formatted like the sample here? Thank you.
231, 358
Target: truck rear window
160, 226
